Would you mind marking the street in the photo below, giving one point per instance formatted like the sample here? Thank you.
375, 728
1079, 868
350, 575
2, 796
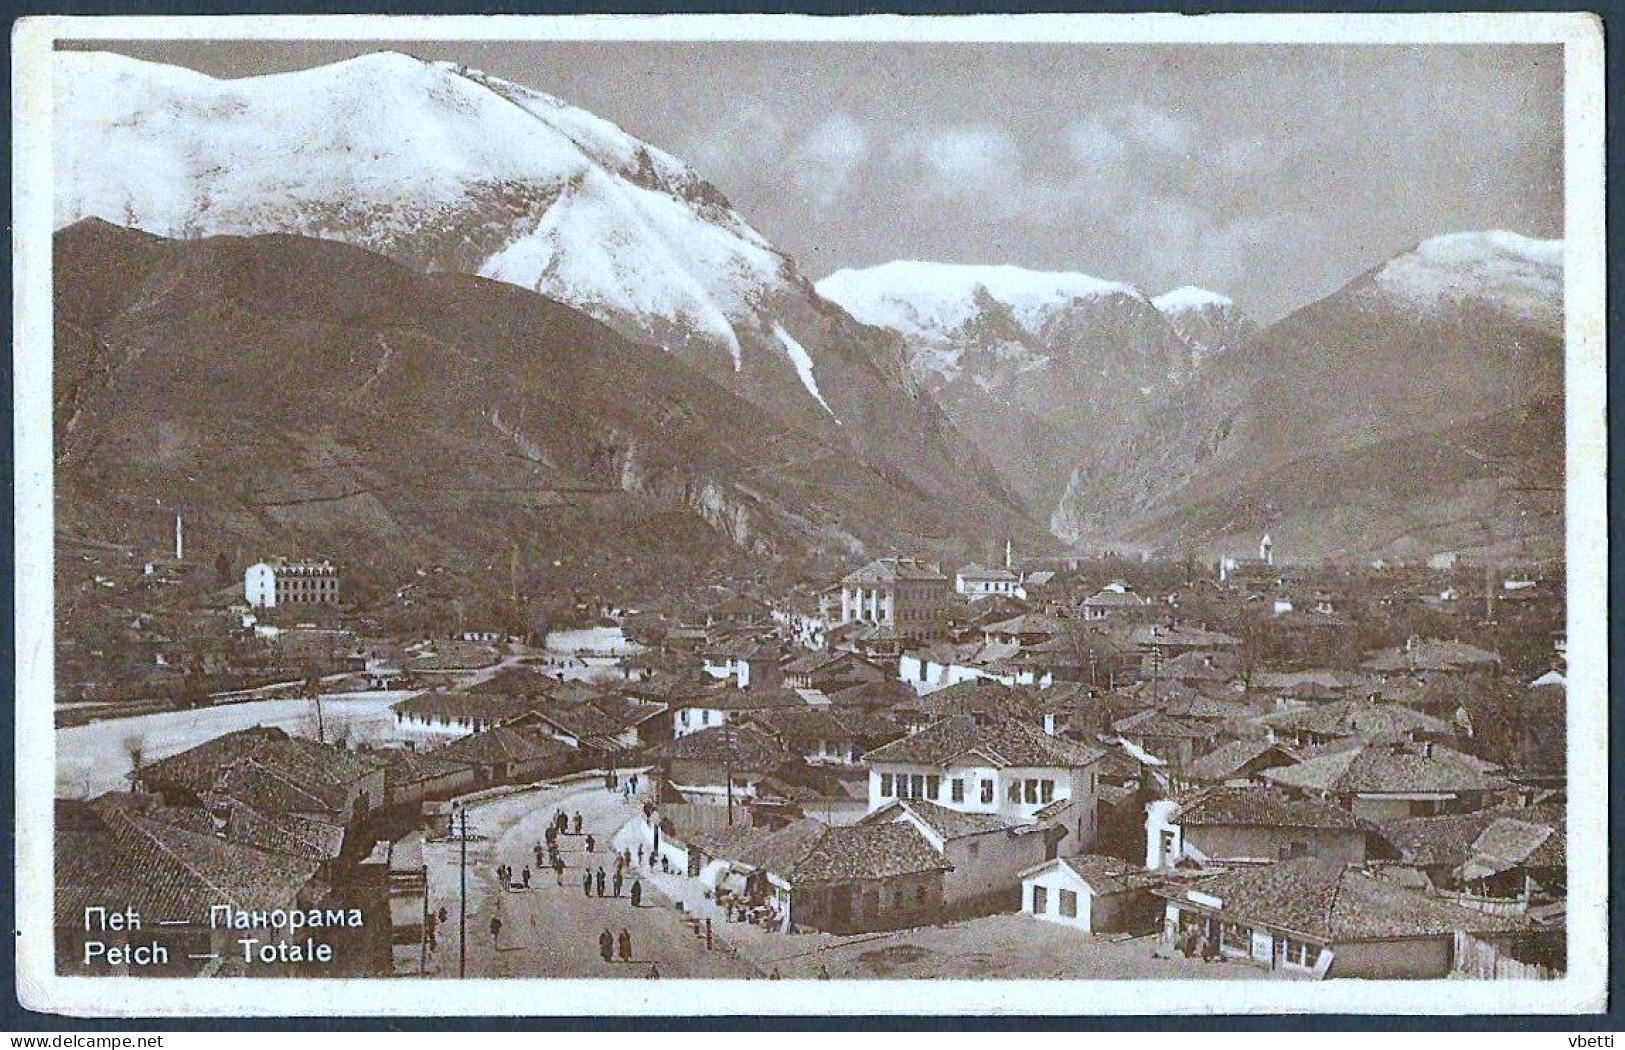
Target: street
551, 930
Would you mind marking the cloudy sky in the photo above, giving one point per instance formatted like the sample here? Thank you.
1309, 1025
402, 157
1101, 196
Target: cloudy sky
1270, 173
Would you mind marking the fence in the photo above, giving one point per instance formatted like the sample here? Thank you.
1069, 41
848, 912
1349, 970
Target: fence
1492, 961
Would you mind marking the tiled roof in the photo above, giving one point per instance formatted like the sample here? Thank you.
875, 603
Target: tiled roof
503, 745
891, 570
1200, 666
1005, 741
304, 768
108, 855
1227, 760
1362, 718
804, 724
1027, 623
781, 850
1110, 599
1510, 843
974, 571
1390, 769
1153, 723
1109, 874
728, 698
1431, 655
746, 747
947, 823
1331, 903
1262, 807
868, 851
1182, 637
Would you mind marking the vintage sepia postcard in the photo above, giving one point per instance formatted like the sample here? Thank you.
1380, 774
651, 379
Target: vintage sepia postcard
769, 515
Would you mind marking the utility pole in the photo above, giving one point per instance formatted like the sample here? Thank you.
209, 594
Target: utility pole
462, 893
728, 743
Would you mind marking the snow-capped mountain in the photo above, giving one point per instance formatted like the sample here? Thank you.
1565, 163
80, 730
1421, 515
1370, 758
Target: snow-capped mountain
1034, 364
1208, 322
1418, 408
445, 168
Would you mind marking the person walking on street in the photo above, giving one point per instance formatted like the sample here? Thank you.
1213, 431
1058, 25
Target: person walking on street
637, 893
586, 882
634, 782
558, 868
606, 945
496, 930
617, 882
640, 854
708, 933
823, 972
524, 876
599, 879
654, 972
626, 945
578, 822
590, 841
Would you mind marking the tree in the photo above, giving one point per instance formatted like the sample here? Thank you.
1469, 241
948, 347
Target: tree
135, 747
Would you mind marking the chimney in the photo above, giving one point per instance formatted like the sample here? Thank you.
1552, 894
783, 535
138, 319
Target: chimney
180, 548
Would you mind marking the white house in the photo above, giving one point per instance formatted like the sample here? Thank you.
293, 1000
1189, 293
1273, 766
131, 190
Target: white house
974, 581
1094, 893
994, 767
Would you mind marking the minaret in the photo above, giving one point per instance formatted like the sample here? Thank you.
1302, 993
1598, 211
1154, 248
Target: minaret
180, 548
1009, 559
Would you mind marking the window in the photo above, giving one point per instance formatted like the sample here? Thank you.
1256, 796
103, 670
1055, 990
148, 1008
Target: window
1015, 791
1069, 904
1046, 791
1297, 953
957, 789
933, 787
1235, 936
1032, 791
917, 784
1040, 900
885, 785
987, 792
919, 896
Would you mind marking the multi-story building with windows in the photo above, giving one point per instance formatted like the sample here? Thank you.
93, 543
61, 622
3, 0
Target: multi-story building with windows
905, 596
268, 584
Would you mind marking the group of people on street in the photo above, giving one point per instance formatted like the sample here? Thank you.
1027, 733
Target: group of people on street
609, 945
506, 878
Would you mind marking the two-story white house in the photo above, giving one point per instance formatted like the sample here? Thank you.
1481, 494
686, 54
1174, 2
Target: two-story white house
994, 796
974, 581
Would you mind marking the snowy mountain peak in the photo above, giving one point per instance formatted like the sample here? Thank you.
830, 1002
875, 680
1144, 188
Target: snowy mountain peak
1190, 297
1518, 275
921, 297
438, 165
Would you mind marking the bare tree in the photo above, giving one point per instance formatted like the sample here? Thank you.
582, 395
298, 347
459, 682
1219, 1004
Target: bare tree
135, 747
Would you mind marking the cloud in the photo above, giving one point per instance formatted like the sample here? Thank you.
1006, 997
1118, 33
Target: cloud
1129, 134
965, 159
831, 158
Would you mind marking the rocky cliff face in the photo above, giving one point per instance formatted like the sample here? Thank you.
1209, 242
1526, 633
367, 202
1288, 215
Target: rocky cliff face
298, 395
1039, 368
1418, 408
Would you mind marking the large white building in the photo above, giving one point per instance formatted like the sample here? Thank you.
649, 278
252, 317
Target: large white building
268, 584
903, 595
993, 796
